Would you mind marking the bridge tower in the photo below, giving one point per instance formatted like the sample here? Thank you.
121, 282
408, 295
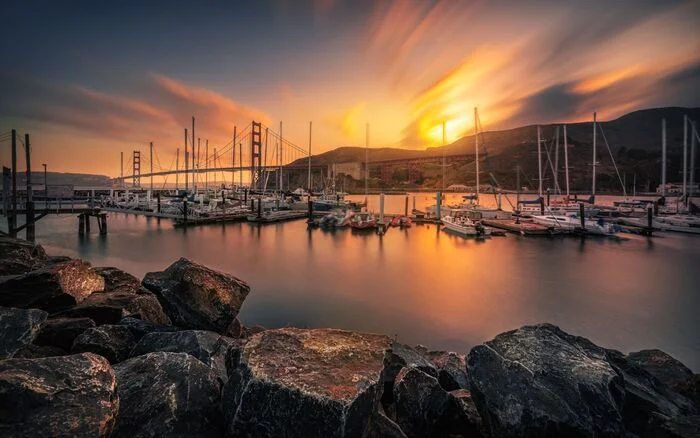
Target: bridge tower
136, 169
256, 172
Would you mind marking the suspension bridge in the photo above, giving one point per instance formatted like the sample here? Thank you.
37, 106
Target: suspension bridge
251, 157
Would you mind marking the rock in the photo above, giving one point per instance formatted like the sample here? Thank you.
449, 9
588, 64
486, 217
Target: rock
381, 426
19, 328
112, 307
58, 396
247, 332
540, 381
51, 288
469, 416
114, 342
691, 388
452, 369
424, 409
118, 280
33, 351
139, 328
402, 356
167, 394
61, 332
661, 365
196, 297
19, 256
209, 347
294, 382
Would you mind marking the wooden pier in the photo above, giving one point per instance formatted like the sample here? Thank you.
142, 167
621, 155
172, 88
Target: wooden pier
217, 219
278, 216
519, 227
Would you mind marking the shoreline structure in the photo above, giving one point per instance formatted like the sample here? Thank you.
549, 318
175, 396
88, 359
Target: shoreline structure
89, 351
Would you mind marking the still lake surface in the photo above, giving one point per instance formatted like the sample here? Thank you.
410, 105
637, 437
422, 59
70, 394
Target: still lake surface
422, 285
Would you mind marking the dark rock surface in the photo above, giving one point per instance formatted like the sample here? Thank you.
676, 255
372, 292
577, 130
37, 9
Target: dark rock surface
18, 327
294, 382
661, 365
112, 307
114, 342
209, 347
33, 351
199, 298
452, 369
118, 280
691, 388
51, 288
540, 381
57, 396
402, 356
61, 332
139, 328
424, 409
19, 256
167, 394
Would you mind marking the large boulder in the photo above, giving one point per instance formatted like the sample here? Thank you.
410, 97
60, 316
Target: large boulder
167, 394
18, 327
452, 369
114, 342
424, 409
112, 307
691, 388
61, 332
540, 381
661, 365
293, 382
199, 298
402, 356
33, 351
19, 256
52, 287
140, 328
58, 396
209, 347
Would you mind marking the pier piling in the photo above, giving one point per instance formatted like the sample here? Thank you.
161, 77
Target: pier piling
81, 224
103, 222
158, 201
438, 206
582, 212
405, 207
87, 223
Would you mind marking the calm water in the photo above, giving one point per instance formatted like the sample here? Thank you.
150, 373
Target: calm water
425, 286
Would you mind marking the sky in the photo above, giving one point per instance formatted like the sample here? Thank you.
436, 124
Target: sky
89, 80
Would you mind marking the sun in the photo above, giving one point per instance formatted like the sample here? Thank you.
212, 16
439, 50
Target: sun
455, 128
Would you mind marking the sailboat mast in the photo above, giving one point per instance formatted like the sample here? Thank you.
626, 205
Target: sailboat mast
685, 155
444, 144
279, 153
594, 154
194, 181
308, 178
634, 185
476, 147
556, 165
566, 161
693, 137
539, 162
366, 161
663, 157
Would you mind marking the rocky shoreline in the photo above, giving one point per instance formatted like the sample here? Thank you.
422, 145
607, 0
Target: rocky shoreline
89, 351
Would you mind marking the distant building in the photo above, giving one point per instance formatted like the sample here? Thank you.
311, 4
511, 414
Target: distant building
677, 189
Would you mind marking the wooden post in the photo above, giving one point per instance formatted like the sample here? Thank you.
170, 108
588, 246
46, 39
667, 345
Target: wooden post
650, 215
158, 201
184, 210
103, 220
438, 206
405, 207
81, 224
582, 212
541, 206
260, 207
12, 218
87, 223
311, 209
29, 234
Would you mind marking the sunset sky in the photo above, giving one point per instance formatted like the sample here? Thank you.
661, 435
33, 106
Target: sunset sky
90, 79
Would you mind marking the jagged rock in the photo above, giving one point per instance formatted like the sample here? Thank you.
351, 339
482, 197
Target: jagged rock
118, 280
196, 297
19, 256
381, 426
18, 327
167, 394
424, 409
661, 365
247, 332
139, 328
52, 287
293, 382
61, 332
114, 342
33, 351
691, 388
540, 381
452, 369
469, 416
57, 396
209, 347
402, 356
112, 307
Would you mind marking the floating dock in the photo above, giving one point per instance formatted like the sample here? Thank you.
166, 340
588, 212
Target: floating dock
218, 219
277, 216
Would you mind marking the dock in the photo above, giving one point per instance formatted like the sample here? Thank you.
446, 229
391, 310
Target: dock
217, 219
520, 227
278, 216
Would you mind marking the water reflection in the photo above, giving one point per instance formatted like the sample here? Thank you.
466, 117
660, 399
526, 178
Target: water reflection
422, 284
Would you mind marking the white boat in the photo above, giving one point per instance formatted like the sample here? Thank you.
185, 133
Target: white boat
573, 223
677, 224
465, 227
336, 219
